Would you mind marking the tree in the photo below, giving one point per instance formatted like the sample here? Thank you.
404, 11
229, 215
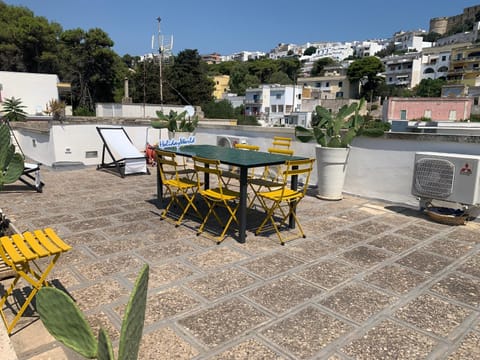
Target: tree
188, 79
222, 109
89, 63
366, 69
279, 77
310, 51
429, 88
319, 65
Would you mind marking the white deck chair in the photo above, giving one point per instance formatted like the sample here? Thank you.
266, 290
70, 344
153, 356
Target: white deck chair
126, 158
31, 176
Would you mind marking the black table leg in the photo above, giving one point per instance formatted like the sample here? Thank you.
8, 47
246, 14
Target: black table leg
242, 211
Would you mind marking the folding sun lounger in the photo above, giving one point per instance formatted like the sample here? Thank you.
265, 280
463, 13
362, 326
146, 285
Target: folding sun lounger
126, 158
31, 176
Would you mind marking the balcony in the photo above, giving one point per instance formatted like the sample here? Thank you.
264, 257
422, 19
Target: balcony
372, 267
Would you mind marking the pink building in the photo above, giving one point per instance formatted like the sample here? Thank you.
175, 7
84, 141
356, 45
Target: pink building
435, 109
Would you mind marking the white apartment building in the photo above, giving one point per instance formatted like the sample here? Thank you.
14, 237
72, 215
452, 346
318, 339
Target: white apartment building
404, 70
368, 48
243, 56
436, 61
410, 40
271, 103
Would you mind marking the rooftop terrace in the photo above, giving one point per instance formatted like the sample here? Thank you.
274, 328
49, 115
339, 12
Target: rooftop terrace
372, 280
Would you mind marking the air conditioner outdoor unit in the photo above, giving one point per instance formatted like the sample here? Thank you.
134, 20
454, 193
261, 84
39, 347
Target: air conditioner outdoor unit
230, 140
447, 177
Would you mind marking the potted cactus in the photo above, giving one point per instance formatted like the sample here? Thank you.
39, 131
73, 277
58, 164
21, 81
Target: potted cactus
333, 133
65, 321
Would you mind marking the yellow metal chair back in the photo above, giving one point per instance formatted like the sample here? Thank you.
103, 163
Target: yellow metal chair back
20, 252
274, 201
177, 183
247, 147
217, 196
233, 173
281, 142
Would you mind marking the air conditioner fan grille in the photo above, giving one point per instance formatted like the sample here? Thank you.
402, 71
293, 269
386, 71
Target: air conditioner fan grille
434, 177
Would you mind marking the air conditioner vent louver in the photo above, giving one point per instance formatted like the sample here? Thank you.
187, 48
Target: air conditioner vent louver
434, 177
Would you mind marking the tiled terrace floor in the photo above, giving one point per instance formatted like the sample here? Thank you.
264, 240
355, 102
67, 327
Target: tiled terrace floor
371, 280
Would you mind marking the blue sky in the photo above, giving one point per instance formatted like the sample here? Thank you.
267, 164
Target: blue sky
254, 25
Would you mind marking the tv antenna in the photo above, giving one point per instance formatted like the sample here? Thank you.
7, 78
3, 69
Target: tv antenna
165, 46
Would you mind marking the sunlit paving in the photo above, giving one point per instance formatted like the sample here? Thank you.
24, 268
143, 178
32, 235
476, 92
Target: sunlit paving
370, 279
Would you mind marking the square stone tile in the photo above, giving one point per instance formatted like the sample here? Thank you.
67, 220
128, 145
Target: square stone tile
221, 283
449, 248
394, 243
390, 340
471, 266
433, 314
251, 349
134, 228
119, 245
89, 224
164, 304
307, 332
425, 262
99, 320
85, 237
371, 227
357, 302
459, 287
282, 294
417, 231
165, 251
396, 278
99, 294
365, 256
322, 225
467, 234
328, 273
161, 275
217, 257
222, 322
345, 238
272, 264
136, 216
109, 266
308, 250
469, 348
355, 215
52, 220
165, 343
98, 212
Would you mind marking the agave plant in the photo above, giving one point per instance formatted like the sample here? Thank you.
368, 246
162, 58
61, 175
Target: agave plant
11, 162
64, 320
175, 122
333, 130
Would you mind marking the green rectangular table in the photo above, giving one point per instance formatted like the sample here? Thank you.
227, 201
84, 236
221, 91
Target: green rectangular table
243, 159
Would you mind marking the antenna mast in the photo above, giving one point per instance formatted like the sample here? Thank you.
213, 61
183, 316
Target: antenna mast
160, 56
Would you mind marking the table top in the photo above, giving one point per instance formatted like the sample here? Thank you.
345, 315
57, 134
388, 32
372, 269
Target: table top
232, 156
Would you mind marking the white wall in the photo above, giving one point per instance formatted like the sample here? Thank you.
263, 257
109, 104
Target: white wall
35, 90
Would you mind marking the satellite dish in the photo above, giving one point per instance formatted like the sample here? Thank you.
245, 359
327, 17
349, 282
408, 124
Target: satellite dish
190, 110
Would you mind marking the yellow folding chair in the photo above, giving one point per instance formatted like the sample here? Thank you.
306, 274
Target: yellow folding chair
19, 252
228, 175
177, 183
281, 142
219, 196
270, 178
275, 201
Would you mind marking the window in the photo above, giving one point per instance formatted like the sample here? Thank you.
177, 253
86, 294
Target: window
444, 58
340, 83
452, 116
274, 108
327, 84
280, 108
429, 71
318, 84
475, 100
428, 114
339, 94
403, 114
278, 96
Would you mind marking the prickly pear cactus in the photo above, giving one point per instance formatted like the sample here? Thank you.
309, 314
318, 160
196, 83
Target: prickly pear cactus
132, 325
64, 320
11, 163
